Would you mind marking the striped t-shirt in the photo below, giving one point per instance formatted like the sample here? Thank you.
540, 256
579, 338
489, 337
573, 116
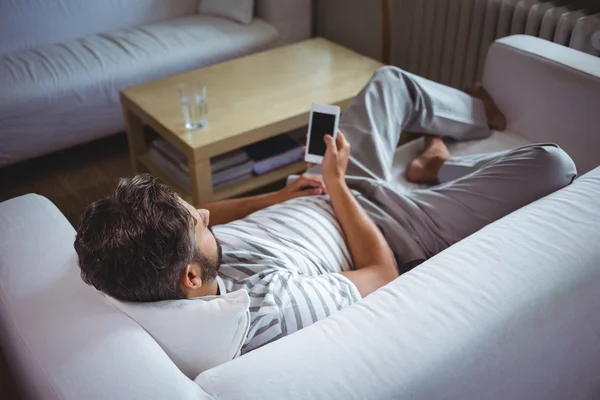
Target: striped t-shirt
288, 258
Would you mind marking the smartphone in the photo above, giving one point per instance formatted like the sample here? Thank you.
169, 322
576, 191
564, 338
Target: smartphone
324, 120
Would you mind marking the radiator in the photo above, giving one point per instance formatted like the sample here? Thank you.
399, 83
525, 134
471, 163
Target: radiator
447, 40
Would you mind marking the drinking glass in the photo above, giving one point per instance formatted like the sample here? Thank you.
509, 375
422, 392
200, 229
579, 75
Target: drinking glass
193, 104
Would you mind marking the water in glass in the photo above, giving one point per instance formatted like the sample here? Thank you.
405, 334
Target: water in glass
193, 105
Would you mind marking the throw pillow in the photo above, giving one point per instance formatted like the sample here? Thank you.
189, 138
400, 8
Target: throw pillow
197, 334
236, 10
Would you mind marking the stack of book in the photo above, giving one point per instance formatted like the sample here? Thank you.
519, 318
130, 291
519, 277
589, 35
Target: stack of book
273, 153
256, 159
227, 168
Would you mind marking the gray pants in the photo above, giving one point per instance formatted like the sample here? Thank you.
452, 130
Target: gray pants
474, 190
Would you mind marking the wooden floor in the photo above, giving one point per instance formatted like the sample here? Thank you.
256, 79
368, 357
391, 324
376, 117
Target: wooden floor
72, 178
75, 177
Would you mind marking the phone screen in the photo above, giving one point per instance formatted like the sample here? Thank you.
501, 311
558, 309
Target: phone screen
322, 124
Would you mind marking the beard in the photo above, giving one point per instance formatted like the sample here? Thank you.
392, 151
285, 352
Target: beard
210, 265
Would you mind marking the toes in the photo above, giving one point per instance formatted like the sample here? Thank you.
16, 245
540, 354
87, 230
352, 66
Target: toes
500, 124
496, 119
413, 171
501, 121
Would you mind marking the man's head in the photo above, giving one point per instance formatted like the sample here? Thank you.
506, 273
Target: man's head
144, 243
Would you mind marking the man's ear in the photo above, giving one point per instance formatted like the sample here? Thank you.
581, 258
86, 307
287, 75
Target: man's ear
190, 279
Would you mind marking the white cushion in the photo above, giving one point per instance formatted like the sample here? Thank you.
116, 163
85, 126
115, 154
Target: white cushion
510, 312
72, 88
197, 334
236, 10
62, 339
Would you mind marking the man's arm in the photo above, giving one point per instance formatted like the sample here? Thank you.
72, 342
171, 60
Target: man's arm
371, 254
222, 212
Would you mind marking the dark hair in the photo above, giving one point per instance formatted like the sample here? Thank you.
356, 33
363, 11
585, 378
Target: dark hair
134, 244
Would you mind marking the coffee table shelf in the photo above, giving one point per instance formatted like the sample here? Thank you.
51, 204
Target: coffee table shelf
255, 182
226, 191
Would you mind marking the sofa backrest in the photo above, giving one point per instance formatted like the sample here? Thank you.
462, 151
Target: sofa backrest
28, 23
549, 93
61, 338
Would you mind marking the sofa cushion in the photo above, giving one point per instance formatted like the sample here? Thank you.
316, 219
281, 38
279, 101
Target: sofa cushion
60, 95
197, 334
240, 11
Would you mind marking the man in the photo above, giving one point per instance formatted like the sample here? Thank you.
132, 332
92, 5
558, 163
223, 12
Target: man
322, 243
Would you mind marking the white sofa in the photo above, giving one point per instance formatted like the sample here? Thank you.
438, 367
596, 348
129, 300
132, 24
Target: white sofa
62, 63
510, 312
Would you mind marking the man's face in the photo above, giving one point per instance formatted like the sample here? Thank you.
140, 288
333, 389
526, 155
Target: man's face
208, 252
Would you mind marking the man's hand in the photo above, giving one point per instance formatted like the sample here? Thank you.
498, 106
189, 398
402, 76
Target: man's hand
335, 160
306, 185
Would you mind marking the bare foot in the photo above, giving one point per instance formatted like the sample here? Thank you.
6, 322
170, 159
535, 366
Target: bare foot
425, 168
495, 117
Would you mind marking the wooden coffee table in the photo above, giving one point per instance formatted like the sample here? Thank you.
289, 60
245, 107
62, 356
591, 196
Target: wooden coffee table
249, 99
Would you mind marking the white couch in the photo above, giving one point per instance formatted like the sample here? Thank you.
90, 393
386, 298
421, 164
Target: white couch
62, 63
509, 313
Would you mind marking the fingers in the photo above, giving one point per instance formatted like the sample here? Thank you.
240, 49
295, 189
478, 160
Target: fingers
308, 184
309, 192
314, 180
341, 141
307, 179
311, 177
330, 143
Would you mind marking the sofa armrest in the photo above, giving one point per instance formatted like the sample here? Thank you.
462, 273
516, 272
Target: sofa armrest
61, 338
292, 18
549, 93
